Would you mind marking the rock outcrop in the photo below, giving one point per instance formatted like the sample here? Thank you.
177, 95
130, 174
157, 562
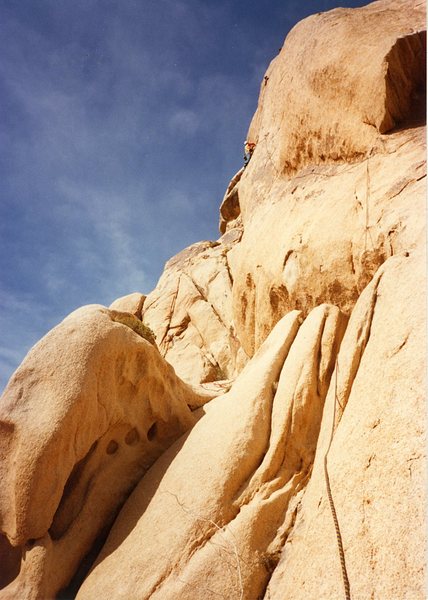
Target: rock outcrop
322, 201
342, 79
327, 235
88, 411
254, 428
217, 492
376, 464
190, 312
132, 303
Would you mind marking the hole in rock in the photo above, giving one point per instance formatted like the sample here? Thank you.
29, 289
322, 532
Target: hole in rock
10, 561
405, 104
152, 432
132, 437
112, 447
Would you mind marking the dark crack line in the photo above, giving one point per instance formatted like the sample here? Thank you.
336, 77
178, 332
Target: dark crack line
409, 182
171, 314
319, 355
205, 299
226, 264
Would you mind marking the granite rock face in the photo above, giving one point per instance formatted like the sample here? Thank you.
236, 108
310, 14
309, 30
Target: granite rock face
322, 201
376, 463
88, 411
254, 428
226, 485
341, 80
321, 236
190, 312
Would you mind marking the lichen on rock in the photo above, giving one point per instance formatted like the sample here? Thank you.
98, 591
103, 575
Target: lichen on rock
131, 321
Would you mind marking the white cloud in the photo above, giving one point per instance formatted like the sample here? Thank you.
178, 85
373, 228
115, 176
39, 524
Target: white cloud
107, 247
184, 122
110, 122
23, 320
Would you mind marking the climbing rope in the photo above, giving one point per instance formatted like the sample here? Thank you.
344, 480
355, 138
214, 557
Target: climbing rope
367, 225
269, 155
331, 501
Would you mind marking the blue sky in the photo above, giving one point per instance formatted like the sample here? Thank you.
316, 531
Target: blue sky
121, 124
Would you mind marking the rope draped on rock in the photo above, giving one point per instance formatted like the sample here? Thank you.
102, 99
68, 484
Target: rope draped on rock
331, 501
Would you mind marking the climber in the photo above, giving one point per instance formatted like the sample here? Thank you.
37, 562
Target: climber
248, 151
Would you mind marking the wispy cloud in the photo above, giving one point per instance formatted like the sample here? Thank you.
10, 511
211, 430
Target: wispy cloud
184, 122
119, 144
23, 321
123, 122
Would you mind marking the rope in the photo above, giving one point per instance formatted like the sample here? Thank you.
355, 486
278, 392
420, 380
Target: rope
367, 227
331, 501
269, 155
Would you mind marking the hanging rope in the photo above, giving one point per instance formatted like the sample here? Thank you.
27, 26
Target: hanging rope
269, 155
367, 225
331, 501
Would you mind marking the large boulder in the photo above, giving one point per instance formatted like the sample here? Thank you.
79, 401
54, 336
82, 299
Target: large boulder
377, 461
341, 79
84, 416
190, 312
332, 190
207, 513
132, 303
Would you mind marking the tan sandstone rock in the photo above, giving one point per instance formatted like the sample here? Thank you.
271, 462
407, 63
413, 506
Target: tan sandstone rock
230, 209
324, 234
328, 196
377, 461
84, 416
326, 223
341, 78
208, 510
190, 312
132, 303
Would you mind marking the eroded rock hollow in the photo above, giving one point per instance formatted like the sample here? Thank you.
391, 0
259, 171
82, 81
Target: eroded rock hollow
254, 428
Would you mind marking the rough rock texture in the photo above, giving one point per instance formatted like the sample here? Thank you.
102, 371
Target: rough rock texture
306, 475
215, 490
230, 209
342, 78
81, 420
322, 200
321, 236
376, 465
131, 321
132, 303
190, 312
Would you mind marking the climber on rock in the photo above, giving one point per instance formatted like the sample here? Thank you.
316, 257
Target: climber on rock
248, 151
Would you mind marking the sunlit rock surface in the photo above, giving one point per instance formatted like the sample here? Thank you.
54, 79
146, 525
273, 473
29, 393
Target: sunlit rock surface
254, 428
